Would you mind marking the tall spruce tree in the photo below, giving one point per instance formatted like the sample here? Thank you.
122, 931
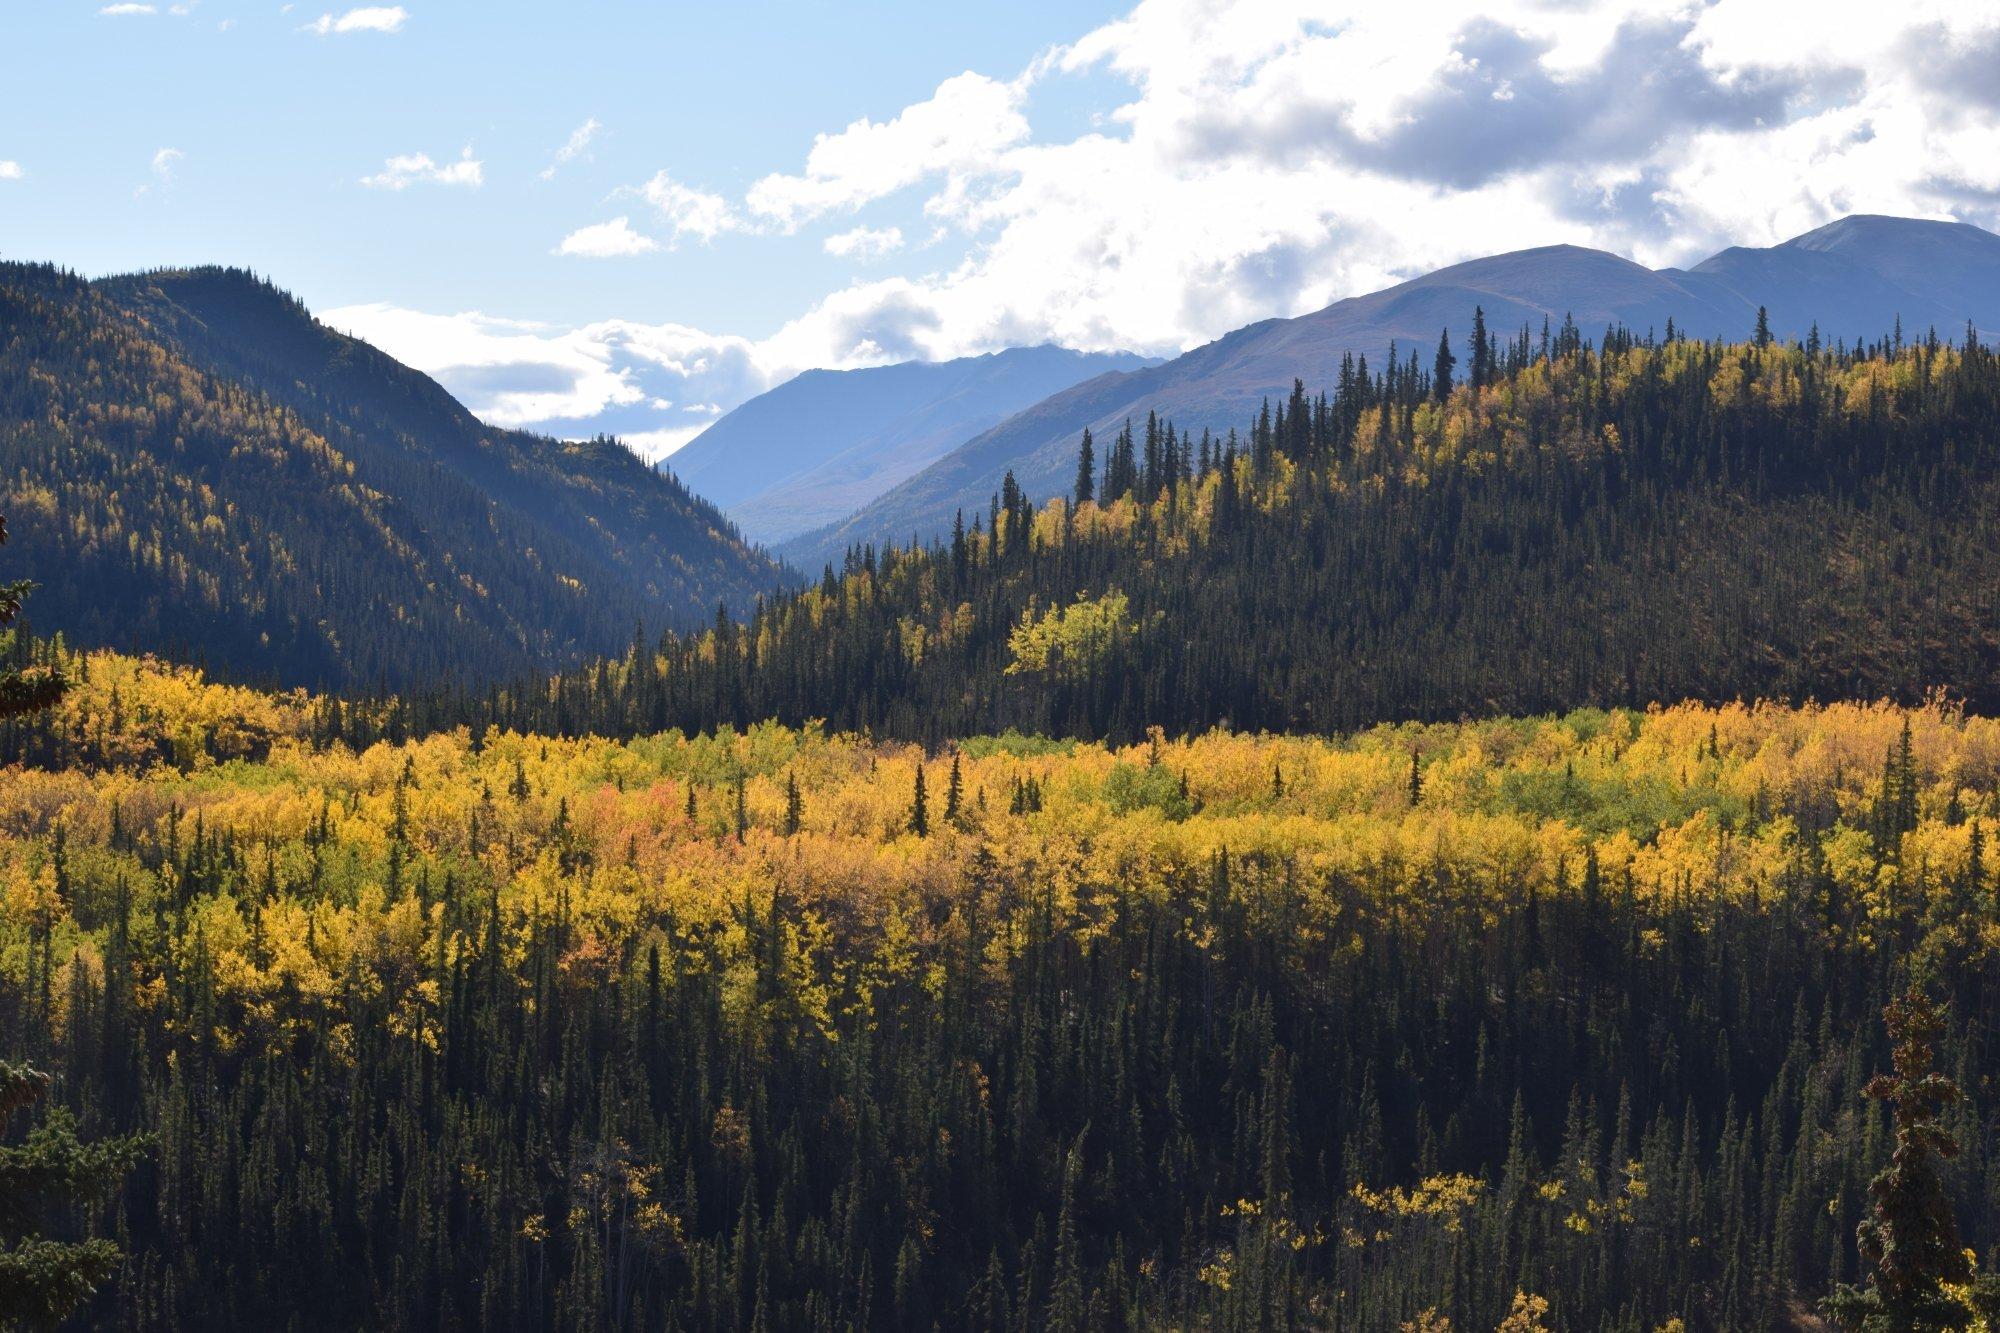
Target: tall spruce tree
1441, 368
30, 691
1086, 470
1923, 1278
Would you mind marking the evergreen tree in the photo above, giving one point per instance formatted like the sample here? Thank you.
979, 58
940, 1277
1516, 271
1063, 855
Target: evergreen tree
1480, 352
1911, 1237
42, 1281
920, 821
23, 692
1086, 470
1441, 368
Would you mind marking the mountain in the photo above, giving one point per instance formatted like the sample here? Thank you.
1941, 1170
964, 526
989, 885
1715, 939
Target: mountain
866, 431
1854, 277
1604, 526
193, 464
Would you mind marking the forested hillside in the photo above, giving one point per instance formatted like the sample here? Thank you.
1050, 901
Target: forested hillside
1854, 277
1552, 525
1559, 1020
196, 466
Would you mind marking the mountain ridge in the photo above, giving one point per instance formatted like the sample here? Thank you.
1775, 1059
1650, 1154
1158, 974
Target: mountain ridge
1221, 383
197, 463
870, 429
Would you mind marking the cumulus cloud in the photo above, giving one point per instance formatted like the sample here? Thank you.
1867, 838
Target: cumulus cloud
127, 10
865, 243
399, 173
694, 212
10, 170
369, 18
655, 385
577, 145
164, 162
1258, 158
607, 240
963, 126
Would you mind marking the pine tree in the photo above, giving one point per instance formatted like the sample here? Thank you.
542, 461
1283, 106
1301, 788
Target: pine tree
920, 823
953, 793
794, 807
43, 1281
31, 691
1763, 327
1086, 470
1912, 1236
1441, 368
1479, 348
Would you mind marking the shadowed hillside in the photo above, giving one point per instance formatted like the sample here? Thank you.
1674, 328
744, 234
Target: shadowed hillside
195, 465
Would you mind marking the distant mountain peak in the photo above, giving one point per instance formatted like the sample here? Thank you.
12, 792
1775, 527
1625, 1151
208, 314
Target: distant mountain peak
826, 442
1853, 278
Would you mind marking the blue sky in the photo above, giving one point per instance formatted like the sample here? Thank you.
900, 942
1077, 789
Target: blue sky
276, 127
754, 189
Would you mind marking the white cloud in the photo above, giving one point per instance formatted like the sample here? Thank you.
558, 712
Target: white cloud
10, 170
1258, 158
399, 173
701, 214
574, 147
865, 243
127, 10
164, 162
607, 240
656, 385
370, 18
964, 126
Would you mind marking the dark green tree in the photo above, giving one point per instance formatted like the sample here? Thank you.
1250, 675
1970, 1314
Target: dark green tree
1479, 348
31, 691
1086, 470
43, 1281
1441, 368
1911, 1237
920, 821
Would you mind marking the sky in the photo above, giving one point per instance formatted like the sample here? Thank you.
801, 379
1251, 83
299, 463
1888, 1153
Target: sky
605, 215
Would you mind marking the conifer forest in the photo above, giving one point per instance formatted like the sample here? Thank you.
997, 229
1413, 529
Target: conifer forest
1490, 843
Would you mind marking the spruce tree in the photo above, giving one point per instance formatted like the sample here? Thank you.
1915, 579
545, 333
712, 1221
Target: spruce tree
1441, 368
1479, 348
920, 823
44, 1281
1911, 1237
1086, 470
31, 691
